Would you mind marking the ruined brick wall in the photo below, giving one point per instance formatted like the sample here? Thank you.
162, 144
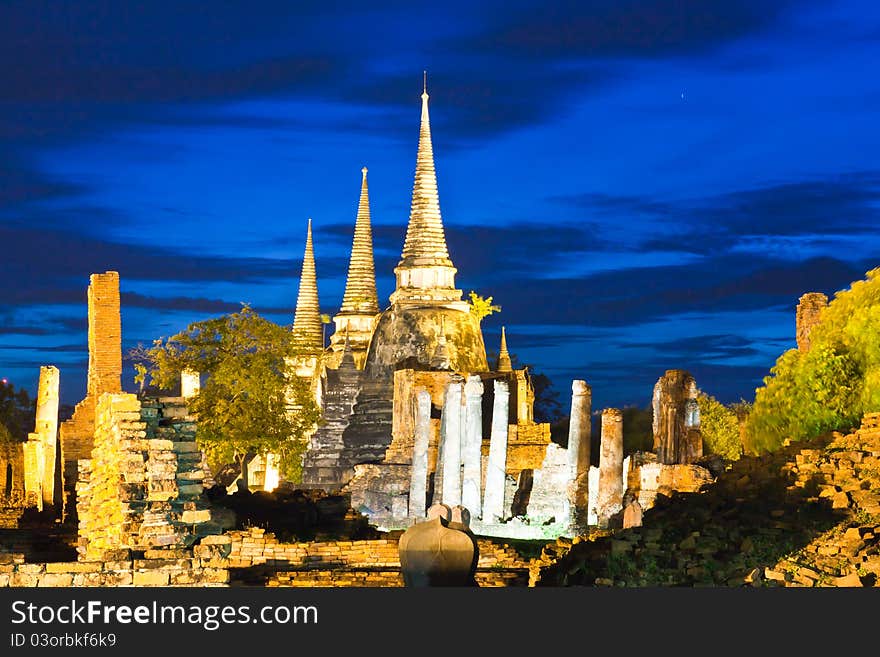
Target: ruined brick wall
142, 487
123, 572
13, 497
255, 557
406, 384
526, 447
809, 310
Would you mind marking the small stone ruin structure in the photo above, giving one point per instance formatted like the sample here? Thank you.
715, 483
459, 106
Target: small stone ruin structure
809, 311
28, 472
677, 437
141, 489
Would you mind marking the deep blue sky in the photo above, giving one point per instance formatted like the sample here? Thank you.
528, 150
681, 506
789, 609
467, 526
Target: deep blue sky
641, 185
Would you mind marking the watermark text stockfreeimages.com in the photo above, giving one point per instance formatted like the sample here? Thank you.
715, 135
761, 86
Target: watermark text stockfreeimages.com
209, 617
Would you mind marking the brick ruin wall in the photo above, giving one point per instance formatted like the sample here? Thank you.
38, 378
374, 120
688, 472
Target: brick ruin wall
13, 499
255, 557
142, 487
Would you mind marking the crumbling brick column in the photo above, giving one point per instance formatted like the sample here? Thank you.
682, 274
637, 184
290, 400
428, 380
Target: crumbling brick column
105, 375
809, 311
105, 334
610, 495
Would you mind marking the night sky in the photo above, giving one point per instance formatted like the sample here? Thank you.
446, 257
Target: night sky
640, 185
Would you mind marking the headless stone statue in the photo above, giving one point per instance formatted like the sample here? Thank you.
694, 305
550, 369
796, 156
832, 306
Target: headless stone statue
434, 553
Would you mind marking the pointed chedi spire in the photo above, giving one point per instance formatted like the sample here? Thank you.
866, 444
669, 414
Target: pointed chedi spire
307, 326
360, 288
347, 361
504, 364
425, 273
425, 239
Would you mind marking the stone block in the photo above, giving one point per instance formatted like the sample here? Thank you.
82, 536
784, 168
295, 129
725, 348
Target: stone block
55, 580
151, 578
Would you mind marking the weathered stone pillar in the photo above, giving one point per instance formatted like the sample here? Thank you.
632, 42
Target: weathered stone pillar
190, 384
452, 443
579, 433
472, 484
610, 498
807, 316
496, 468
418, 484
46, 426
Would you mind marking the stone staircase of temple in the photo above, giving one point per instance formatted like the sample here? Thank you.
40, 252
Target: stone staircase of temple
256, 558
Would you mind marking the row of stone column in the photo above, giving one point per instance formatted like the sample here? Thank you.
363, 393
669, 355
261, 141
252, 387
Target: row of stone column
461, 439
460, 452
611, 486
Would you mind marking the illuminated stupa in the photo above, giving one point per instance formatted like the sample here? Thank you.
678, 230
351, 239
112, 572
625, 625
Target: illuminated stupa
427, 333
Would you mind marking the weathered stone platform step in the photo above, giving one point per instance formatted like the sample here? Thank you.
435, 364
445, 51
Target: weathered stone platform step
367, 577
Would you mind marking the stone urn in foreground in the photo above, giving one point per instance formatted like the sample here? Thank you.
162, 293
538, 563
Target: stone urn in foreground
433, 553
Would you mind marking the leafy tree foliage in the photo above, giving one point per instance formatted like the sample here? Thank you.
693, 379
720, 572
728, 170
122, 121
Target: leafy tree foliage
720, 428
244, 405
482, 307
831, 385
17, 411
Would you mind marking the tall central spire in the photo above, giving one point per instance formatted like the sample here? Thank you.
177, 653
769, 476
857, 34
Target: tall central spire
360, 289
307, 320
425, 273
425, 239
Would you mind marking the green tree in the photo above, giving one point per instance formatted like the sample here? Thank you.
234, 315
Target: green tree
638, 429
548, 407
482, 307
244, 405
720, 428
831, 385
17, 411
